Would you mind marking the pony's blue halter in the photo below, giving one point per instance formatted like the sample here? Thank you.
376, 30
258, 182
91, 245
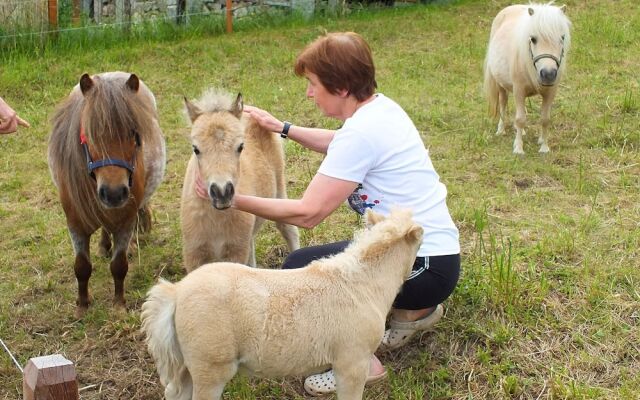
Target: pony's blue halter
93, 165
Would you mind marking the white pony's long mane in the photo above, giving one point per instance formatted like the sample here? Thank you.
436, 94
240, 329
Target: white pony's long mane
548, 23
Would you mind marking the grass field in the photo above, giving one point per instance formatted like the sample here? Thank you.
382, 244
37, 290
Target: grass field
548, 306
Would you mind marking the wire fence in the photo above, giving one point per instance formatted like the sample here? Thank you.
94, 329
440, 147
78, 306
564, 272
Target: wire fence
24, 18
33, 26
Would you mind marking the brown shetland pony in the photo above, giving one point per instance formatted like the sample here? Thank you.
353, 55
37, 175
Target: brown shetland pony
106, 157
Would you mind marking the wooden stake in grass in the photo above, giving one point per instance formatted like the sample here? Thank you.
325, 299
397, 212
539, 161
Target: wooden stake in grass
50, 378
53, 14
229, 14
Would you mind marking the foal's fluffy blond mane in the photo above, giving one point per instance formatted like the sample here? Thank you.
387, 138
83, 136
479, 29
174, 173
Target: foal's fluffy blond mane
212, 100
373, 242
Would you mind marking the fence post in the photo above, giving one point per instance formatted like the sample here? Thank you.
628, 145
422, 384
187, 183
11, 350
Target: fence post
119, 11
53, 14
50, 378
229, 13
97, 11
123, 13
75, 17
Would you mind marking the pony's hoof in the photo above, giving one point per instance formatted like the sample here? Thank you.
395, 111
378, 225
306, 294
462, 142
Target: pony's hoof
119, 306
119, 312
81, 311
518, 152
544, 149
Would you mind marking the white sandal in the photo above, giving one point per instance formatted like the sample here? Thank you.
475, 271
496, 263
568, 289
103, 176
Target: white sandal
325, 383
400, 333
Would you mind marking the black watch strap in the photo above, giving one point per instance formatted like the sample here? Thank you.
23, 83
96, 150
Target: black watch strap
285, 130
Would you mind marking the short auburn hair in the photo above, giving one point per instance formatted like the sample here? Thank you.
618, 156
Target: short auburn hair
342, 61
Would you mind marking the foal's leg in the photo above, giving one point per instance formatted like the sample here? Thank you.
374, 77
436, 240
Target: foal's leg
351, 376
520, 120
209, 382
545, 119
290, 234
252, 253
240, 251
120, 264
82, 268
503, 96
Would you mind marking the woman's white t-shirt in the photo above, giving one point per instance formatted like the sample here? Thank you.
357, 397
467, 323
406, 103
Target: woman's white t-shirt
380, 148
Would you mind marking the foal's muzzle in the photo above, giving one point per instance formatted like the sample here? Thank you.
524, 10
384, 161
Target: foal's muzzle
221, 197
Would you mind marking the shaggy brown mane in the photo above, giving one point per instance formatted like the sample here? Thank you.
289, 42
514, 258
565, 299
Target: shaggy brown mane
110, 113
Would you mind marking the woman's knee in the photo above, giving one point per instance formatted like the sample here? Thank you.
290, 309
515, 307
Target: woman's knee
296, 259
304, 256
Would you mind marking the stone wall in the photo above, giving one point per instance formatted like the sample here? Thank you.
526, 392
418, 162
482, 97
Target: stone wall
34, 13
145, 9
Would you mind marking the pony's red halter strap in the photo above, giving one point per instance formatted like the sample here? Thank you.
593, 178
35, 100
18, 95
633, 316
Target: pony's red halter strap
83, 137
93, 165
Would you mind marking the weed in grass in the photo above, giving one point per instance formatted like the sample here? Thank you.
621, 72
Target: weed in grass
496, 256
511, 386
629, 102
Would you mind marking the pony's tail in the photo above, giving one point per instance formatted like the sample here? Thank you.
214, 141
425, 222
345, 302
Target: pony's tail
491, 90
158, 313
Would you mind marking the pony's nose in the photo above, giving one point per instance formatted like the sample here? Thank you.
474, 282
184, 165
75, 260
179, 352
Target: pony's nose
222, 197
113, 197
548, 75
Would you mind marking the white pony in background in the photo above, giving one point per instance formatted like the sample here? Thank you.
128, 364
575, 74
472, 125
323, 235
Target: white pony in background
527, 54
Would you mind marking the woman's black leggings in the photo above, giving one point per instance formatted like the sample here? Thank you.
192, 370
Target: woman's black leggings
430, 283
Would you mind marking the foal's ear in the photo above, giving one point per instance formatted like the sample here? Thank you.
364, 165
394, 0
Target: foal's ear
133, 83
238, 105
193, 111
86, 83
530, 11
563, 8
372, 218
414, 234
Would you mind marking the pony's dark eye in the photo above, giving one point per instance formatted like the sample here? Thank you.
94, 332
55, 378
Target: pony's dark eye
196, 150
562, 38
534, 40
241, 147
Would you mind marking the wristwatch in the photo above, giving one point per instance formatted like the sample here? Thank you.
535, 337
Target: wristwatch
285, 130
